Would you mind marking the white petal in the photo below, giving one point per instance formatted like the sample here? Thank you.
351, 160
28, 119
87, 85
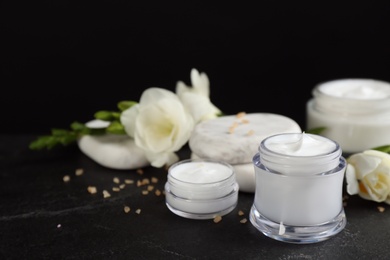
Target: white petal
150, 95
200, 83
364, 164
377, 154
367, 196
379, 194
128, 119
163, 125
200, 107
384, 156
352, 182
181, 88
161, 159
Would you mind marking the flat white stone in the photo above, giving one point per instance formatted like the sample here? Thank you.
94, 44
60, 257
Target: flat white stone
113, 151
235, 139
245, 175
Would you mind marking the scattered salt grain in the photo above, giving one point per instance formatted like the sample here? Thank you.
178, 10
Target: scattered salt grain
143, 182
116, 180
154, 180
106, 194
138, 211
157, 192
243, 221
250, 132
126, 209
233, 127
241, 114
240, 213
217, 219
381, 209
128, 181
92, 189
140, 171
66, 178
116, 189
79, 172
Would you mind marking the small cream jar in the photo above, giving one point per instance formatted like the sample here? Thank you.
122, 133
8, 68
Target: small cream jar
298, 197
354, 112
201, 188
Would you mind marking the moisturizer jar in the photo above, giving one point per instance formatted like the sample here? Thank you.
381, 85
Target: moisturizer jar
201, 188
299, 182
354, 112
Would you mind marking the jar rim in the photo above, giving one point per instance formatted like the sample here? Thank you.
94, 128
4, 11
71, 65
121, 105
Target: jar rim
299, 165
318, 89
230, 177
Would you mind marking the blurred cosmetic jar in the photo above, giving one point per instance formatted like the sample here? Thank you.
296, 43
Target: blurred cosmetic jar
299, 183
201, 188
354, 112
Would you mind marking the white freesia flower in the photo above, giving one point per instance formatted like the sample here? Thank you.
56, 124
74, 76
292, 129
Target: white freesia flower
197, 98
368, 175
159, 124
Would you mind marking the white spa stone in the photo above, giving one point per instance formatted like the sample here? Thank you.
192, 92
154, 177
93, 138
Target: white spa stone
113, 151
235, 139
97, 124
245, 175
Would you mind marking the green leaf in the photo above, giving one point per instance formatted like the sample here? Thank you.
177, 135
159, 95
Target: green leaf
41, 142
60, 136
124, 105
58, 132
97, 131
116, 115
383, 148
115, 128
105, 115
316, 131
77, 126
68, 139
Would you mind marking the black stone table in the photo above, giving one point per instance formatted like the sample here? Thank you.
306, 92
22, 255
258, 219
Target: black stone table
43, 217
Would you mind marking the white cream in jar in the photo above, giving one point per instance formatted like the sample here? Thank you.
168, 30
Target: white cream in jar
298, 195
354, 112
201, 188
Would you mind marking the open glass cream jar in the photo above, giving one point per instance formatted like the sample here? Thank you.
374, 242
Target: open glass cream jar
298, 197
354, 112
201, 188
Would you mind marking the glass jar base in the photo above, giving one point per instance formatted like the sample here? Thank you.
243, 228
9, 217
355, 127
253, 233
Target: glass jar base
201, 208
298, 234
192, 215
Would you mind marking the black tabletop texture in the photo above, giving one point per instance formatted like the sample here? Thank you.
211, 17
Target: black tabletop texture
43, 217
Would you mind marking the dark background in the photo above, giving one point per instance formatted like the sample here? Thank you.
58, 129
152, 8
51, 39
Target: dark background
62, 61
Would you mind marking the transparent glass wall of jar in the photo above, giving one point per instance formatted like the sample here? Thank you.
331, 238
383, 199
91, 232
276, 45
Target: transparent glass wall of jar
298, 197
354, 112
